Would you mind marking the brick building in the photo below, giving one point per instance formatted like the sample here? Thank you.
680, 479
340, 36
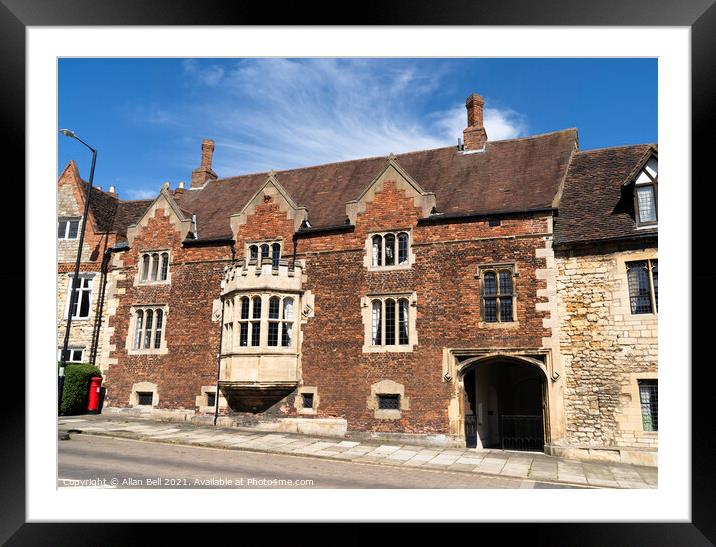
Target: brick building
413, 296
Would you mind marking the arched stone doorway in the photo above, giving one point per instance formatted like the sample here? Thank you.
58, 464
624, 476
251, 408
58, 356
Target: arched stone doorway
505, 403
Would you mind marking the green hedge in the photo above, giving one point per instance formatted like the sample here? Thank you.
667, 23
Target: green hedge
76, 387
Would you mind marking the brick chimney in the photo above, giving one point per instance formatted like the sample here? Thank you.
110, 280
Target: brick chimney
475, 134
204, 172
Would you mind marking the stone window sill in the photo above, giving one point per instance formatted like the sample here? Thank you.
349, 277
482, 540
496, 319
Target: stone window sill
160, 351
307, 411
405, 348
386, 414
499, 325
388, 268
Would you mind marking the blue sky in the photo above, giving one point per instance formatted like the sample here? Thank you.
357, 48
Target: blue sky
147, 117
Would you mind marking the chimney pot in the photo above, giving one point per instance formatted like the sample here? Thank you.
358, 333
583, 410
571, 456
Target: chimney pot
181, 184
475, 134
112, 190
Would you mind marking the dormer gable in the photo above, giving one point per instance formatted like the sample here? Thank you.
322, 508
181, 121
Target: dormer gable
423, 200
270, 191
183, 221
643, 184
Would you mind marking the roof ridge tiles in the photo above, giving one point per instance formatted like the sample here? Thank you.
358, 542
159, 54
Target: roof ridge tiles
385, 156
608, 148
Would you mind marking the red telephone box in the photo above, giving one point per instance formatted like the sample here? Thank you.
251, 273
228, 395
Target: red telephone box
94, 390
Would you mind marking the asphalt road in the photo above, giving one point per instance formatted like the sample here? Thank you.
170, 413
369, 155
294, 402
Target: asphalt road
97, 461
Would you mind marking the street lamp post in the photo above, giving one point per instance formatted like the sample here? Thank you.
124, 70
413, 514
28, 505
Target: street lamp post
75, 279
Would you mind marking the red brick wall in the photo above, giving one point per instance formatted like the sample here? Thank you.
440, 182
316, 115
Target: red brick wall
448, 309
192, 337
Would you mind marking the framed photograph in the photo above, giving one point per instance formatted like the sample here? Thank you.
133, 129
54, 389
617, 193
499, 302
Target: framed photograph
390, 277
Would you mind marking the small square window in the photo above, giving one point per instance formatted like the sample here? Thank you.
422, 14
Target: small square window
495, 222
389, 402
144, 398
210, 399
307, 400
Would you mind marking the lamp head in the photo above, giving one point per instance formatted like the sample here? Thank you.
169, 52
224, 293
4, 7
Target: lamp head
68, 133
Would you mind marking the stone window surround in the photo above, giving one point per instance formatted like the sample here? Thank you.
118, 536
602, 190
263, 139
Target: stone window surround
263, 348
496, 267
140, 257
298, 401
368, 256
129, 345
621, 292
144, 387
653, 299
629, 418
367, 315
387, 387
70, 276
258, 243
202, 401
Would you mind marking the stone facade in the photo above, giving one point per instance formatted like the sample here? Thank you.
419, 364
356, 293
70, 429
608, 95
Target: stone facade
70, 204
605, 348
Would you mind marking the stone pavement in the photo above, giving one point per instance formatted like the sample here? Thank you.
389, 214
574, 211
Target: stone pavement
522, 465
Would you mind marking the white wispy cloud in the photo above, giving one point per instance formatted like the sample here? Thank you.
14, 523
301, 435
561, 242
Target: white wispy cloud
141, 193
208, 75
282, 113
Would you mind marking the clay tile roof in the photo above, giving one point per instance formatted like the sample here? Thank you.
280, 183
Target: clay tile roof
595, 204
103, 207
510, 175
128, 213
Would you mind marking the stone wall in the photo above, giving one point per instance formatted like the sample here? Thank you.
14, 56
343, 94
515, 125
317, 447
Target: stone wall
604, 347
70, 203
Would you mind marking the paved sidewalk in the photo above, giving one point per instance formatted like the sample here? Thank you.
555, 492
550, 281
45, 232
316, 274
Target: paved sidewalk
522, 465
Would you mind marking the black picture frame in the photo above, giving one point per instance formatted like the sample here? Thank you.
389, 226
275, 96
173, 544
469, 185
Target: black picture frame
699, 15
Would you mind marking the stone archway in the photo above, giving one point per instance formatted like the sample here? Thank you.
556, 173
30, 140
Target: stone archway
505, 402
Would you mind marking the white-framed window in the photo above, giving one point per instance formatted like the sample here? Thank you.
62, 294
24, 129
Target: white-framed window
261, 320
645, 194
68, 228
74, 355
497, 292
153, 267
389, 250
83, 296
147, 329
265, 250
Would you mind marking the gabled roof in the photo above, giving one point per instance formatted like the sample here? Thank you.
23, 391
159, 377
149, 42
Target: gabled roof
103, 207
596, 204
128, 213
511, 175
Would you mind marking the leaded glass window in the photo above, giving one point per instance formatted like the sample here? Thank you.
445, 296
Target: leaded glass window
645, 194
649, 400
498, 295
390, 249
642, 277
